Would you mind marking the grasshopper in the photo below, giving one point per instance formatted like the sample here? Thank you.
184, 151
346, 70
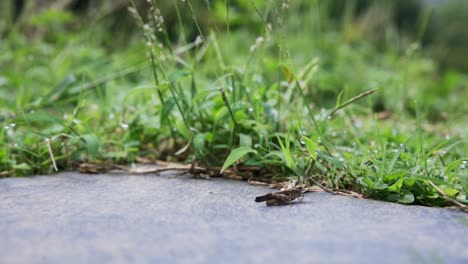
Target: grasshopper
281, 197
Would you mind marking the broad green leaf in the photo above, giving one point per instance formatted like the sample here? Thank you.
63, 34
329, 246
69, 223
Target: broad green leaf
239, 115
366, 182
405, 156
452, 192
462, 198
221, 113
463, 179
182, 129
285, 148
166, 110
409, 182
372, 184
22, 166
454, 166
380, 185
199, 141
311, 146
396, 186
92, 144
406, 198
395, 175
209, 137
245, 140
235, 155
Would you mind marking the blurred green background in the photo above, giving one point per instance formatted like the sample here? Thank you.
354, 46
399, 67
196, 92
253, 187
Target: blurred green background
439, 25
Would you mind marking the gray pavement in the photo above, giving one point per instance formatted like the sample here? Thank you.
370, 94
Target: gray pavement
115, 218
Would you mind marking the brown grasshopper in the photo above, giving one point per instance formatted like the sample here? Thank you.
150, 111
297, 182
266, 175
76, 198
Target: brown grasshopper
281, 197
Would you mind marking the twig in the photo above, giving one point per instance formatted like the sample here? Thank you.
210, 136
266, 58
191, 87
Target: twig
258, 183
357, 97
96, 168
156, 171
337, 191
51, 154
326, 189
464, 207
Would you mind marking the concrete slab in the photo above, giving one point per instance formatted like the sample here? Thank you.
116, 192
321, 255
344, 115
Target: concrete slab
115, 218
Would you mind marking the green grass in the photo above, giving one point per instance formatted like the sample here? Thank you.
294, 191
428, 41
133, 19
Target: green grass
276, 92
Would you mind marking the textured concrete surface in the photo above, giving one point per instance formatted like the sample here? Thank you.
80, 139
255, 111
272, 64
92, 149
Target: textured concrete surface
75, 218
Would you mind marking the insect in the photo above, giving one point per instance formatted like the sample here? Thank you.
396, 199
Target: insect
281, 197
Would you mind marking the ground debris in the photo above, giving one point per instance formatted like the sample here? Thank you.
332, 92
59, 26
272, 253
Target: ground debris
93, 168
195, 169
155, 168
255, 175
